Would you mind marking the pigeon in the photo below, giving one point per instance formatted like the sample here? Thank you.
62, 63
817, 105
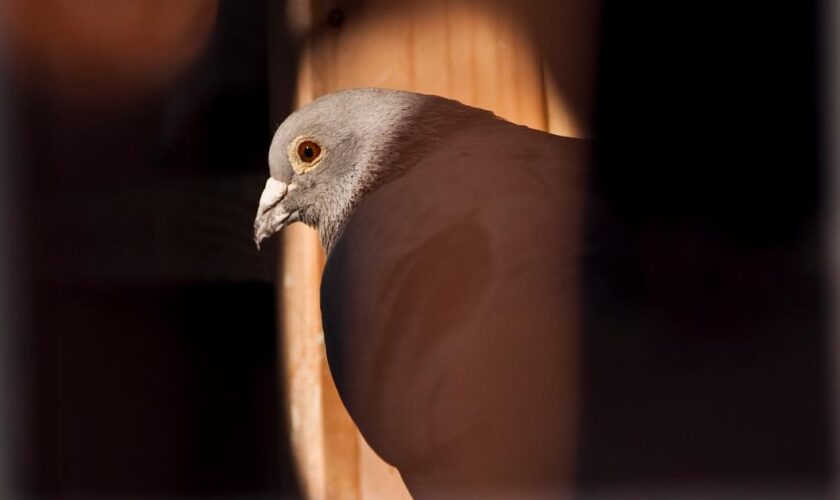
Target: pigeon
449, 299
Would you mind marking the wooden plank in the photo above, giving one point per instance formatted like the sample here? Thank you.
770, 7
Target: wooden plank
378, 479
430, 42
521, 71
373, 48
566, 31
341, 443
560, 119
323, 435
303, 354
458, 59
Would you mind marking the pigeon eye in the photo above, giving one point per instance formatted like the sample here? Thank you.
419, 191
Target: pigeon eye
305, 154
308, 151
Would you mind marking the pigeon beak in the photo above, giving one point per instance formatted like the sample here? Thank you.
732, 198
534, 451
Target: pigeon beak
270, 215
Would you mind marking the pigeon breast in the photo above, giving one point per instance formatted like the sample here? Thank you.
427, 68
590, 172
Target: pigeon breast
448, 306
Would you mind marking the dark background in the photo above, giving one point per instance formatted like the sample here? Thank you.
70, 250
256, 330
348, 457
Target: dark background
707, 349
149, 360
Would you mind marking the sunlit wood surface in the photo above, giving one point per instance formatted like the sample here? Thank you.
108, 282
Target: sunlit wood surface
482, 53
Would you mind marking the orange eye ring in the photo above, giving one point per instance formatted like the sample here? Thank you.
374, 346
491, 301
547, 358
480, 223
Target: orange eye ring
308, 151
305, 154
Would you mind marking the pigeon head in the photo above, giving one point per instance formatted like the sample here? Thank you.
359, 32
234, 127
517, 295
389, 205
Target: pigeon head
327, 155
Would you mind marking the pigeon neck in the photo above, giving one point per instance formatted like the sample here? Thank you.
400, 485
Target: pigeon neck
405, 141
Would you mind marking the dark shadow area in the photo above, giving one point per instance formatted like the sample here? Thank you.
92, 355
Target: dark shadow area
705, 337
151, 367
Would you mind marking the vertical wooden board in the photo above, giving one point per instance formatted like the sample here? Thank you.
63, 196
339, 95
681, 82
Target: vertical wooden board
486, 79
303, 353
318, 423
561, 118
430, 43
494, 62
378, 479
339, 446
568, 54
341, 443
459, 56
526, 80
505, 44
567, 31
374, 50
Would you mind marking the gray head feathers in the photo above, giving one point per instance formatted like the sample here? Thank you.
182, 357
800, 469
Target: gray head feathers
359, 139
